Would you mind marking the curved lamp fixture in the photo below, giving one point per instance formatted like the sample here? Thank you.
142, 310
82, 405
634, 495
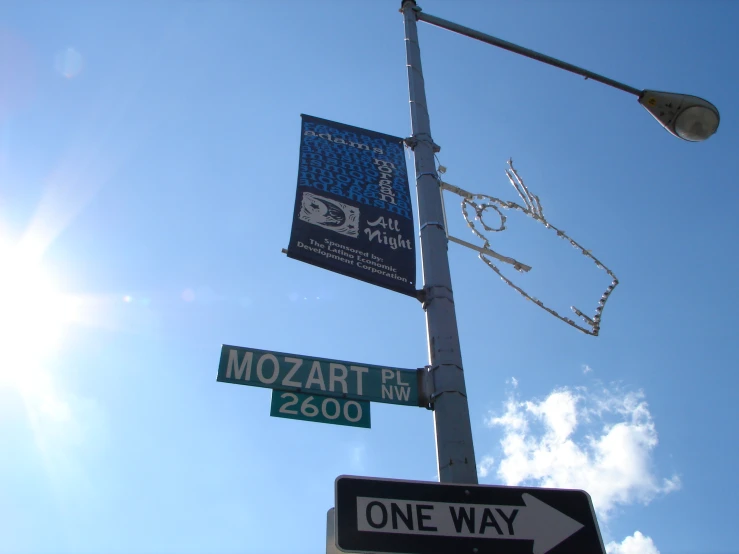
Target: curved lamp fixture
687, 117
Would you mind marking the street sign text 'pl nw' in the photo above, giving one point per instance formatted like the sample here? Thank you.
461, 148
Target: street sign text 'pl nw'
386, 515
318, 376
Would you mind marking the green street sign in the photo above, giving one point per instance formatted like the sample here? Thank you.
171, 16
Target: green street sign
323, 409
318, 376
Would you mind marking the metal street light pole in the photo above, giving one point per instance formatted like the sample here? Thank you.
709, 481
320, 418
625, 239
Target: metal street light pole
684, 116
454, 450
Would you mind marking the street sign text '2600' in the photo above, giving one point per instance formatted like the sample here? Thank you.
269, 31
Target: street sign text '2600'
322, 409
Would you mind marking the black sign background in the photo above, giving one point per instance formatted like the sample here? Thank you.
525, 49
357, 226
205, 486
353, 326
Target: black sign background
573, 503
353, 212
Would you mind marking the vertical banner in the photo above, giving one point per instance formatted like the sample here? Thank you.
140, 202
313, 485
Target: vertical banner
353, 211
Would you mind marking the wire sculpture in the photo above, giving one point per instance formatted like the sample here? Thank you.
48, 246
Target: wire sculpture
479, 203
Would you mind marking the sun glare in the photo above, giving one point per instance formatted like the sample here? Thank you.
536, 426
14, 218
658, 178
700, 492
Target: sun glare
33, 315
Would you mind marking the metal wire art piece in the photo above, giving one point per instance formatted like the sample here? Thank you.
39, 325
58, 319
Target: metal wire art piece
473, 210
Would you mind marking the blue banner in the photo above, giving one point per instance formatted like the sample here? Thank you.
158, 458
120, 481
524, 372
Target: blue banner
353, 211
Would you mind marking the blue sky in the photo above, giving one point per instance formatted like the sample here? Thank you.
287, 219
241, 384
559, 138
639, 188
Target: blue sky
148, 161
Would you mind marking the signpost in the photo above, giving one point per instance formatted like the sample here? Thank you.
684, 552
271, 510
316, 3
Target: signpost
384, 515
353, 215
330, 533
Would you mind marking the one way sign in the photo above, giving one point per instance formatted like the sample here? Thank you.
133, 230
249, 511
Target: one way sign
384, 515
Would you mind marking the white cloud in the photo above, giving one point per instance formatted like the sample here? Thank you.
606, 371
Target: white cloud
586, 368
486, 464
544, 444
635, 544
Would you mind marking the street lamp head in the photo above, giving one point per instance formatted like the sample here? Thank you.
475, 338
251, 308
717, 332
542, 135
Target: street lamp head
687, 117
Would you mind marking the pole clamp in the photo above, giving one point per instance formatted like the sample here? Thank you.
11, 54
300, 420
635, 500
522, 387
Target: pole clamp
432, 292
412, 142
425, 388
432, 391
438, 224
415, 7
428, 174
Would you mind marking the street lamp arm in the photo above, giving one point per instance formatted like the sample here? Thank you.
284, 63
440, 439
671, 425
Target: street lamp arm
500, 43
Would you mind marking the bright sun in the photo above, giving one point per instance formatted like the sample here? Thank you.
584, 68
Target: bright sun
33, 315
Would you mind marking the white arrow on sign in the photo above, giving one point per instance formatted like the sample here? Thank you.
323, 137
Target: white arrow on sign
536, 521
547, 526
